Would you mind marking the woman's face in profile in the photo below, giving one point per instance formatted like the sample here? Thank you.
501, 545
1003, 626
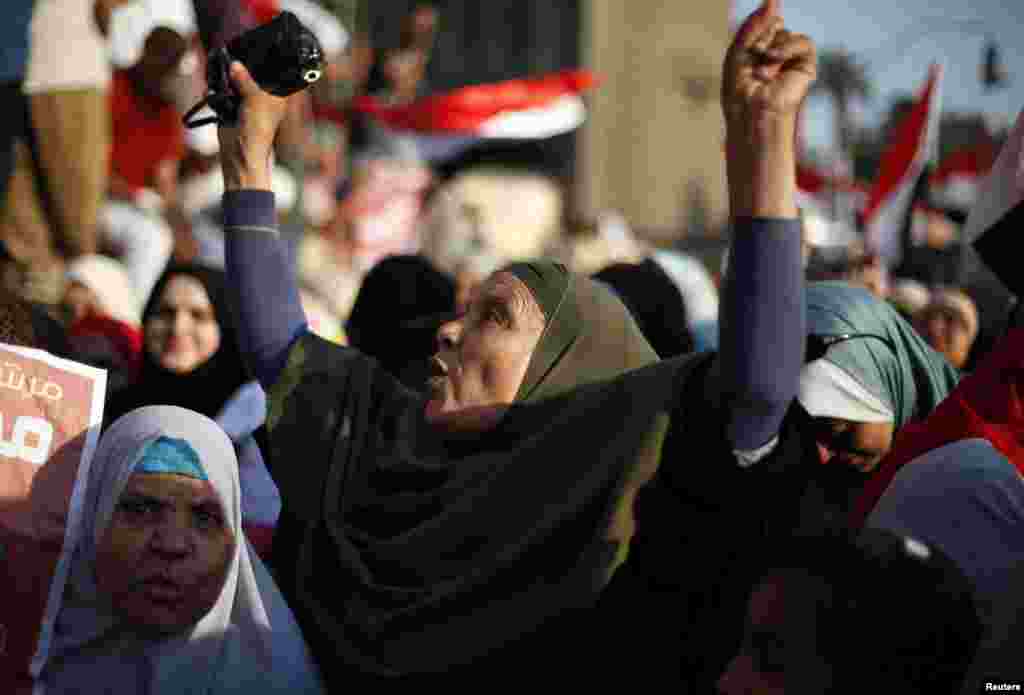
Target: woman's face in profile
183, 332
946, 331
162, 561
483, 356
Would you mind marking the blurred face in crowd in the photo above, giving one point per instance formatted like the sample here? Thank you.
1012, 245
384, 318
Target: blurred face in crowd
947, 331
483, 356
859, 445
404, 70
778, 654
162, 561
183, 332
940, 231
872, 274
424, 18
79, 302
165, 63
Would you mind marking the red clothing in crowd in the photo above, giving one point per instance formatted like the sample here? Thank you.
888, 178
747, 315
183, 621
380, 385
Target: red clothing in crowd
987, 404
146, 132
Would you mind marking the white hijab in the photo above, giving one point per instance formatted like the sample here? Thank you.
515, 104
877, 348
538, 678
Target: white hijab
694, 282
110, 282
248, 643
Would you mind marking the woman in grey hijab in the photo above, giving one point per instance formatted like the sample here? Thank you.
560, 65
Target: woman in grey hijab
164, 594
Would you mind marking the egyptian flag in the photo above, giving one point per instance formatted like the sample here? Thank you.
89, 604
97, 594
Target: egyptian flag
445, 124
956, 181
996, 220
901, 167
815, 188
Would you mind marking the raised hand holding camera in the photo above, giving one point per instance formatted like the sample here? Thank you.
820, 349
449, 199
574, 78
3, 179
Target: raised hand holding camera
283, 56
250, 80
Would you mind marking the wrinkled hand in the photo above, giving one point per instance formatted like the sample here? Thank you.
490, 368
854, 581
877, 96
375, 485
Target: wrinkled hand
768, 70
246, 149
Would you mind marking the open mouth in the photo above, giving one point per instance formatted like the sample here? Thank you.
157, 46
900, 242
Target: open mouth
437, 379
437, 368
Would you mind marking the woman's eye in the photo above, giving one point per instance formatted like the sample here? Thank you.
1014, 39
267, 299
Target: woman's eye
137, 508
206, 519
498, 316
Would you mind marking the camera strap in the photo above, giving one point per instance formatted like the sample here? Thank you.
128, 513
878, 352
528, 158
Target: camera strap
191, 121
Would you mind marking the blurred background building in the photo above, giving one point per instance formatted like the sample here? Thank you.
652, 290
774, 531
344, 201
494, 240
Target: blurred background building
652, 146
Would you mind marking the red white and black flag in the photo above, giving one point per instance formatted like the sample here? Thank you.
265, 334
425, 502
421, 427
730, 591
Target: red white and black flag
442, 125
998, 215
902, 163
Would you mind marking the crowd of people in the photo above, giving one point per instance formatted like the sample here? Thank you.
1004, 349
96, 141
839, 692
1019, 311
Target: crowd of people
350, 438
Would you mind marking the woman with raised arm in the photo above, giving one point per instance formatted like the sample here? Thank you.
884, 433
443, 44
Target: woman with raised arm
487, 526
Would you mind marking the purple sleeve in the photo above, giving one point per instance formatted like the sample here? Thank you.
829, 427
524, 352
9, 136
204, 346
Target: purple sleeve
262, 290
763, 326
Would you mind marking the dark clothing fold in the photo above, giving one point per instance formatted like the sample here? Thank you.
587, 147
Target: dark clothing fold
404, 558
656, 303
391, 317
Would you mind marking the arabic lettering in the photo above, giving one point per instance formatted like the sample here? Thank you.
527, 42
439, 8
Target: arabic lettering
11, 377
31, 449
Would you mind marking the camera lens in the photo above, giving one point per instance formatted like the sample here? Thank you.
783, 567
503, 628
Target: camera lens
311, 76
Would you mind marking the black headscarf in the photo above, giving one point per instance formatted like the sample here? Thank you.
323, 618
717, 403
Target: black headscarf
655, 302
391, 317
207, 388
402, 555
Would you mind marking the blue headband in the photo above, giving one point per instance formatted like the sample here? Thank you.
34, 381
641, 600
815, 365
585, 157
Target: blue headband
167, 455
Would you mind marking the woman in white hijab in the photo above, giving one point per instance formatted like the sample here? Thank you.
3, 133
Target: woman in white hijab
164, 594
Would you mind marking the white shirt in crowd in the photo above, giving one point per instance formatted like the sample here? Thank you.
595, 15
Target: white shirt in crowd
66, 49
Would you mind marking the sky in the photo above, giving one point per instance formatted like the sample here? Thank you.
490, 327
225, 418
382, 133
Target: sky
899, 39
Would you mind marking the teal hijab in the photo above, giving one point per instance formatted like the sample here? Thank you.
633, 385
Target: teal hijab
907, 374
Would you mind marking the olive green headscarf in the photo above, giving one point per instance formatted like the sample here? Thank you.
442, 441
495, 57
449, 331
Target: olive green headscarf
911, 381
589, 334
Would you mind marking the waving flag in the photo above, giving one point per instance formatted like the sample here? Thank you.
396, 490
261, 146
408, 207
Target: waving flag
526, 109
815, 188
901, 166
998, 215
956, 181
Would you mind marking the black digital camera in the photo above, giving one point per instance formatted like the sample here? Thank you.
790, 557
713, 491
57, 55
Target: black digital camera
283, 56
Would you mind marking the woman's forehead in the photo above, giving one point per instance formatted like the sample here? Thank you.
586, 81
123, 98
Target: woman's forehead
185, 287
171, 487
507, 287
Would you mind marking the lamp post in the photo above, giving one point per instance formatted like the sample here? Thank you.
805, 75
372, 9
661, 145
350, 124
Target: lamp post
992, 70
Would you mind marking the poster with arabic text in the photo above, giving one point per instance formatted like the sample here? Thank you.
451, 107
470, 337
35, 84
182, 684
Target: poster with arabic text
51, 410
